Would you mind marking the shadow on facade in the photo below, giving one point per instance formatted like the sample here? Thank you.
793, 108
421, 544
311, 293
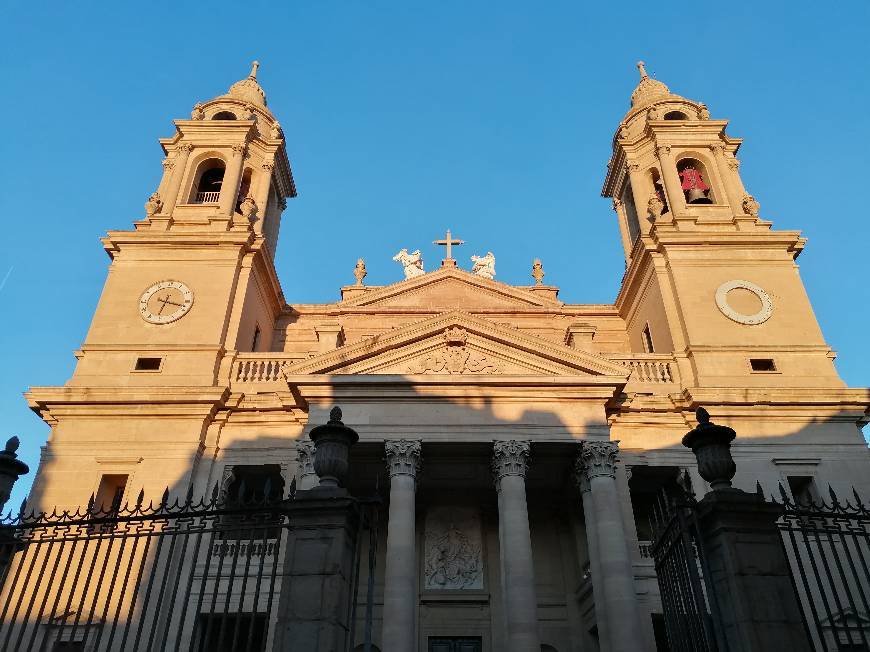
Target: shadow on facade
222, 571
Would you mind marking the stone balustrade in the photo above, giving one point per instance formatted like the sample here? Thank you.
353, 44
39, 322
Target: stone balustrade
261, 368
656, 368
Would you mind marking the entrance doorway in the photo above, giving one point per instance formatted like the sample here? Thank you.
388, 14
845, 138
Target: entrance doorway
454, 644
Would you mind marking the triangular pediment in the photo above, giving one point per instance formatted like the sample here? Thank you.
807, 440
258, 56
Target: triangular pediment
456, 343
452, 289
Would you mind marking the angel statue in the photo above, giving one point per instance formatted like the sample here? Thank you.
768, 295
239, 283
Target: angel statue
484, 265
412, 263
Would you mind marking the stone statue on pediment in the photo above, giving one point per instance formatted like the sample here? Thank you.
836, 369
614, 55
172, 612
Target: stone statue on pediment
484, 265
412, 263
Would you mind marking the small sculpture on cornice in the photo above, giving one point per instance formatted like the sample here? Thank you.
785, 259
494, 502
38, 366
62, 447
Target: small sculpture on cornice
248, 208
703, 112
412, 263
275, 131
249, 113
197, 113
456, 359
359, 271
154, 205
656, 206
484, 265
654, 113
750, 205
538, 272
623, 132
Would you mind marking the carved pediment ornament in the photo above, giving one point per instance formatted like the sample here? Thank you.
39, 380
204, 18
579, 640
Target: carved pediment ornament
456, 359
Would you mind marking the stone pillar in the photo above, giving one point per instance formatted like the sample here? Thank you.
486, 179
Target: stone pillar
509, 463
178, 165
316, 592
232, 178
261, 196
671, 180
597, 466
749, 573
306, 478
400, 574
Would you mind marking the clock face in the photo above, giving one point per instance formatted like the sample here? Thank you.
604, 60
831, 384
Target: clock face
165, 302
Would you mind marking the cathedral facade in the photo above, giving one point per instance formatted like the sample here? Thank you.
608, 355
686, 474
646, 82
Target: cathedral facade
518, 442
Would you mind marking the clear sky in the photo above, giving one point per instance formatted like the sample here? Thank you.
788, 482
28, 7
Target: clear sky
404, 118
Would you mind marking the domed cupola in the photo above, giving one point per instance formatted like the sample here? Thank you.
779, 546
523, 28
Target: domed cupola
649, 90
248, 90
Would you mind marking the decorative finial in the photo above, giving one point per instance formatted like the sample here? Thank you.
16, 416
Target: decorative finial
538, 272
254, 66
12, 445
702, 416
640, 67
359, 271
335, 415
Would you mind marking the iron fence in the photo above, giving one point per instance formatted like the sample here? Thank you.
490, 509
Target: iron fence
183, 575
689, 608
828, 548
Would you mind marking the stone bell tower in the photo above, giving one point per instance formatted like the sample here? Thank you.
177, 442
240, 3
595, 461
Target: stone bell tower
195, 278
707, 278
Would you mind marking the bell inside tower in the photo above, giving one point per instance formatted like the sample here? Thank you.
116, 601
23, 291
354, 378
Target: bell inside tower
693, 176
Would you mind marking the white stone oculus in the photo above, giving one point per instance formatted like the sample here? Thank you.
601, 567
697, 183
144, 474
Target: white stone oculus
165, 302
725, 308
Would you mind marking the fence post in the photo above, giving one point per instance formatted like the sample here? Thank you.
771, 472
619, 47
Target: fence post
317, 583
748, 571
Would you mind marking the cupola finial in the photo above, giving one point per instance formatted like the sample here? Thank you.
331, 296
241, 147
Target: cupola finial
254, 66
640, 67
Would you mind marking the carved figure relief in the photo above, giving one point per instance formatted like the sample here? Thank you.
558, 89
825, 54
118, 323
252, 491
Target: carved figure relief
453, 550
455, 359
412, 263
656, 206
484, 265
248, 208
751, 205
197, 113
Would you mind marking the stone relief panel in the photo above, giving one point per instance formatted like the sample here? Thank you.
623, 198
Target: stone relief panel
452, 549
455, 359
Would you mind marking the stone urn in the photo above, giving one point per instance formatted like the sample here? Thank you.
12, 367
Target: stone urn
332, 442
11, 468
711, 445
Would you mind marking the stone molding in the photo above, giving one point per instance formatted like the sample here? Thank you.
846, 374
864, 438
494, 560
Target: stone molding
403, 456
596, 459
510, 457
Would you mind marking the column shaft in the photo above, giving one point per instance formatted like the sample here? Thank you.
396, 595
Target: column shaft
673, 186
620, 607
595, 566
179, 166
510, 460
232, 178
400, 575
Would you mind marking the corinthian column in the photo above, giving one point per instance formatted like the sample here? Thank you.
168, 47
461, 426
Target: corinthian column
509, 463
177, 167
232, 178
400, 575
602, 511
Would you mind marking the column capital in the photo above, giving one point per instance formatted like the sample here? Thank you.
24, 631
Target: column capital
596, 459
239, 149
403, 456
510, 457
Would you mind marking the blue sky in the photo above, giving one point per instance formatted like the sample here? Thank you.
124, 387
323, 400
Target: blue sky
405, 118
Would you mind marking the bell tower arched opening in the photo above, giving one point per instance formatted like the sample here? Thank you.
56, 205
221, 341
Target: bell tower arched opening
224, 115
695, 182
208, 181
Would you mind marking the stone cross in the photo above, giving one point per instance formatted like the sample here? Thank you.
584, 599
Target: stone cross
448, 242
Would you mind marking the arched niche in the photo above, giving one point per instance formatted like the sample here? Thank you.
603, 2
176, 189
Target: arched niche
224, 115
654, 178
244, 188
676, 115
695, 182
207, 181
361, 648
